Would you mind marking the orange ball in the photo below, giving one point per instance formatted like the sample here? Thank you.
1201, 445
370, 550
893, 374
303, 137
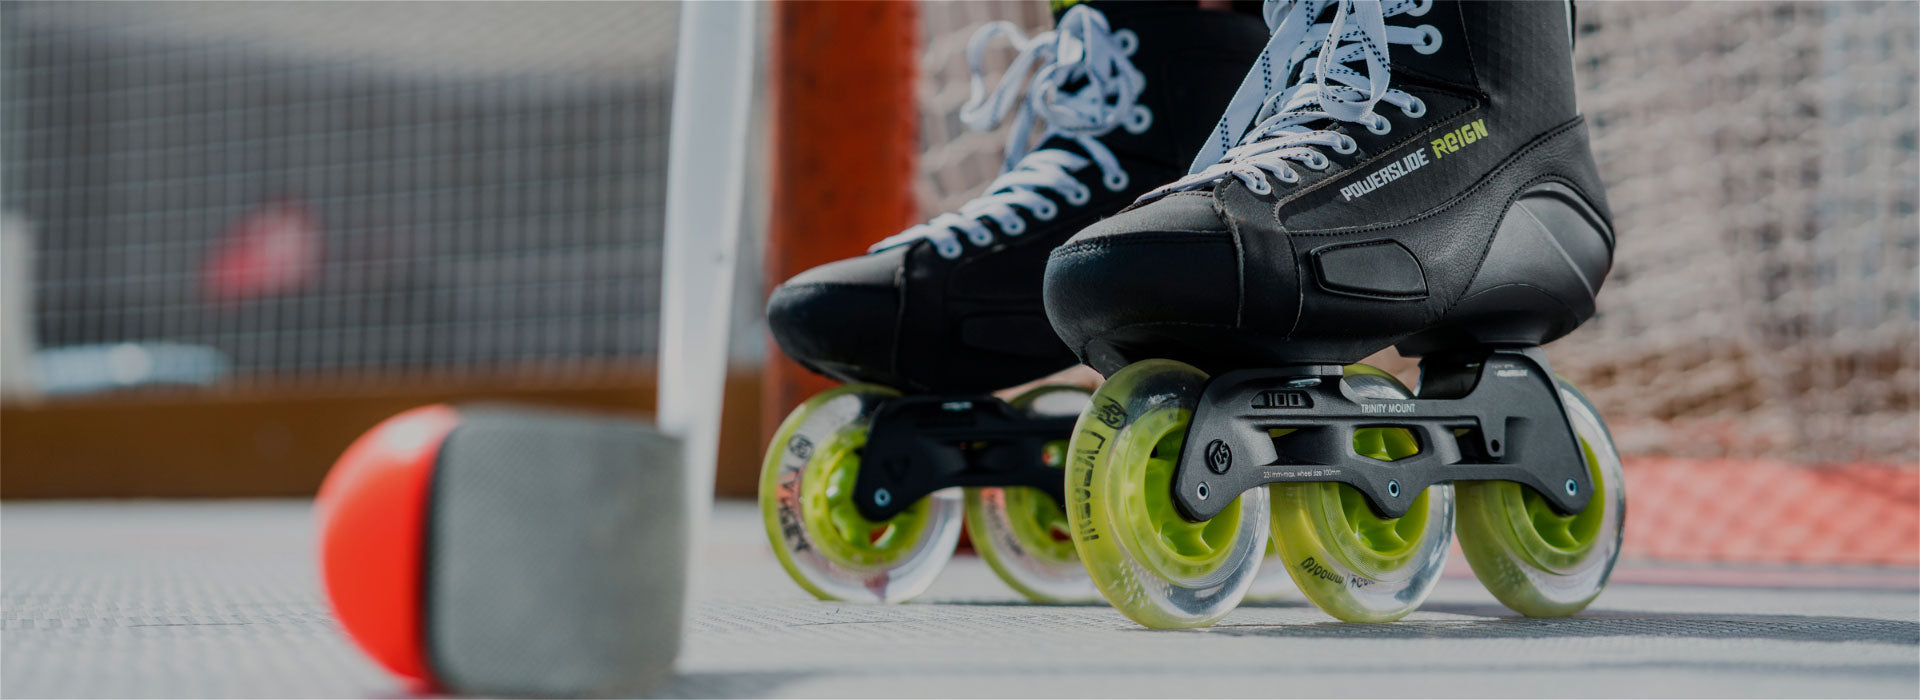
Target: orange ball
372, 510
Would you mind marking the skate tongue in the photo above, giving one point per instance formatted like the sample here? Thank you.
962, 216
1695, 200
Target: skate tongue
1337, 72
1321, 71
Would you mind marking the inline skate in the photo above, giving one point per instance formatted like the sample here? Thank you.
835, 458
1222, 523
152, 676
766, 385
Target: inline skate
857, 487
1401, 174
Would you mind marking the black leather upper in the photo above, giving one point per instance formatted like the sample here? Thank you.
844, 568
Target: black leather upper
1224, 277
908, 318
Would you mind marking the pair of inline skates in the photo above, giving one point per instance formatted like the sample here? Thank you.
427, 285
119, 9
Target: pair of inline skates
1407, 174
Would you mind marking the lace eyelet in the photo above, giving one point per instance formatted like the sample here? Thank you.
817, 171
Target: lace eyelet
1380, 126
1115, 181
980, 238
1079, 196
1139, 120
947, 249
1289, 176
1318, 162
1013, 226
1415, 109
1420, 8
1430, 40
1130, 42
1046, 211
1259, 185
1346, 146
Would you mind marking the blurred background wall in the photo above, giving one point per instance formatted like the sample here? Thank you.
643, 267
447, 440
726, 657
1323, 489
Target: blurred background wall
238, 234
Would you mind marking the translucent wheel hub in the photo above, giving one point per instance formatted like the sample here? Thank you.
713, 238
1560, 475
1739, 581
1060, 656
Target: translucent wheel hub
1173, 546
1147, 560
1536, 561
1548, 539
847, 537
806, 501
1354, 564
1022, 532
1369, 542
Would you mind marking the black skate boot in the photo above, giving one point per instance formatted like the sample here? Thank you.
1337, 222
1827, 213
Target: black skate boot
1122, 96
1410, 174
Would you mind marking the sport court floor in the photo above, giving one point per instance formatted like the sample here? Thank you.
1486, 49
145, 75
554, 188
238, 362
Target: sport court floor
219, 599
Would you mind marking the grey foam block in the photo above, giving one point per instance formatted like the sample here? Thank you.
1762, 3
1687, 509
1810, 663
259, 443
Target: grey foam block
556, 555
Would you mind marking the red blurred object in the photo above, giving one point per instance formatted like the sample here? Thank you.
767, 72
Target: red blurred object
372, 510
844, 142
274, 249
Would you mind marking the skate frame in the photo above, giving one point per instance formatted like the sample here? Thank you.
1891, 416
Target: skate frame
921, 444
1492, 416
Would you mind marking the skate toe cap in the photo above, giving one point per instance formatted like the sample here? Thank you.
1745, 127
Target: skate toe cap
1183, 212
839, 319
1143, 273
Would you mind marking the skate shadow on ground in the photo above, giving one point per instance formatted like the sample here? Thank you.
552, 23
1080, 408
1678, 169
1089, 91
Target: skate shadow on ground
1014, 603
1274, 604
1507, 625
1023, 603
734, 684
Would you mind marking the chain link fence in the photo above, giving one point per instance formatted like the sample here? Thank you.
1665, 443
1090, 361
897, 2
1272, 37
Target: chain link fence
246, 193
1761, 162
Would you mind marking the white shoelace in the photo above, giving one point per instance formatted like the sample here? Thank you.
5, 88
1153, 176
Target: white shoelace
1083, 48
1280, 113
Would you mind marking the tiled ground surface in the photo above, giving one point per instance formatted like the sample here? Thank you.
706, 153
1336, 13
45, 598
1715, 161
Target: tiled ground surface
219, 599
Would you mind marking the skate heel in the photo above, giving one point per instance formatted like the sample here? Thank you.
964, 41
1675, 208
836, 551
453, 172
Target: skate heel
1542, 270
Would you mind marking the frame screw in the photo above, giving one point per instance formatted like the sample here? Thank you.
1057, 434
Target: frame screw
881, 497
